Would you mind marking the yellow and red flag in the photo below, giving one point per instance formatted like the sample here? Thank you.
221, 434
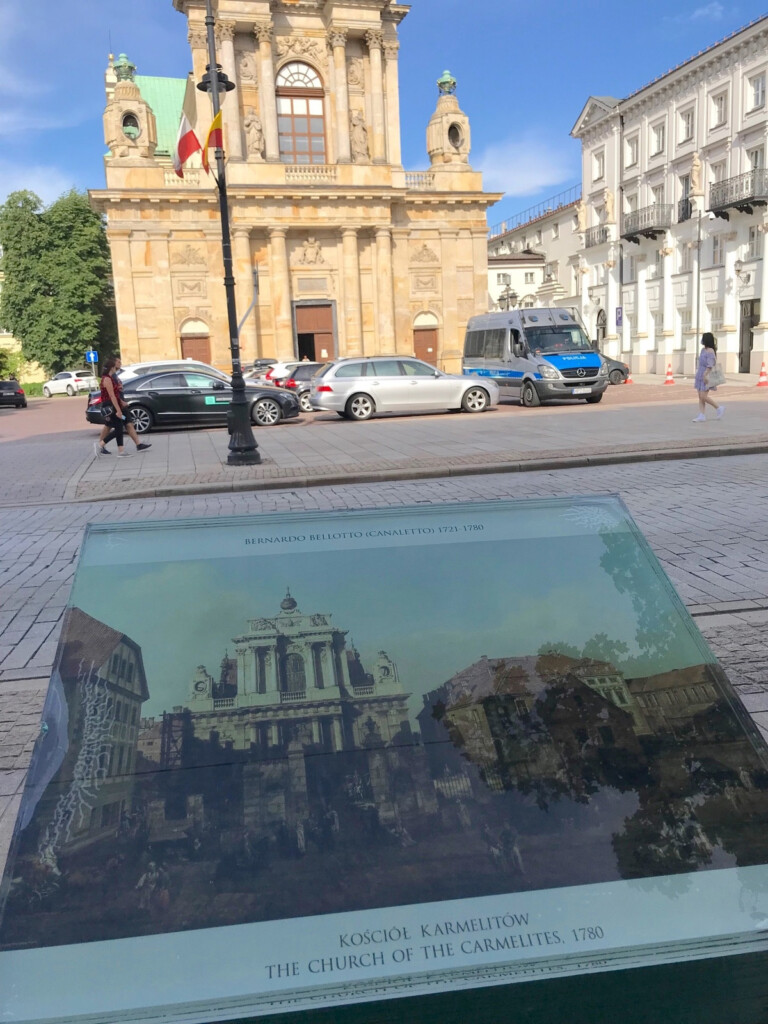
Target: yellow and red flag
213, 140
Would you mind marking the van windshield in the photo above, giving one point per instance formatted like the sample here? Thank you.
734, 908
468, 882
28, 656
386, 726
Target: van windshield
549, 340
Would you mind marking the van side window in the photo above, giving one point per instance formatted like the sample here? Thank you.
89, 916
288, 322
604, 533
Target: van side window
494, 343
514, 342
473, 346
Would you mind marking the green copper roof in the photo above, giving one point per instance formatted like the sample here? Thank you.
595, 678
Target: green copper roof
165, 96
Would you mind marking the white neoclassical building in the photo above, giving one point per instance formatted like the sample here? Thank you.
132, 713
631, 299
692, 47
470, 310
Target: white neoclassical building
673, 212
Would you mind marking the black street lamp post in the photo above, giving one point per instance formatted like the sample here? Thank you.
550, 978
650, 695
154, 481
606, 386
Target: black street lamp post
508, 298
243, 450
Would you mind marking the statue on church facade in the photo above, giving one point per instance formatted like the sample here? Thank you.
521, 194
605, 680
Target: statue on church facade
696, 189
610, 208
358, 137
254, 135
581, 215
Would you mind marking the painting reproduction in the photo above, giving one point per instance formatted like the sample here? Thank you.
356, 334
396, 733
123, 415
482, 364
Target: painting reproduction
372, 748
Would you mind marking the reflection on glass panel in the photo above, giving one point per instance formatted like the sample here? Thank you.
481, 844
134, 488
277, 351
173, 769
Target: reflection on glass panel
316, 125
302, 158
550, 752
318, 145
316, 106
302, 145
386, 368
299, 106
284, 124
283, 105
300, 125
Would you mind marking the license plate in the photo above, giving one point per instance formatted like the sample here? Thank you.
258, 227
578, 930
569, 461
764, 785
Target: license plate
581, 391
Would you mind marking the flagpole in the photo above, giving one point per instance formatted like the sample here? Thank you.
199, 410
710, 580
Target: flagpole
243, 449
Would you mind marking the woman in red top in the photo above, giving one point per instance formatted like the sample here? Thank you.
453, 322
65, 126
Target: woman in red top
112, 394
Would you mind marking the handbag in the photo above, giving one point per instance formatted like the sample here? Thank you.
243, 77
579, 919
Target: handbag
107, 411
716, 376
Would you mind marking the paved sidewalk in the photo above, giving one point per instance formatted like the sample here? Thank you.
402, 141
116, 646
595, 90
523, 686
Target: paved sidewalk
306, 453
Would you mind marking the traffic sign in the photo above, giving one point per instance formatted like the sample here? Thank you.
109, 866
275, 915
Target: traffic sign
619, 316
91, 356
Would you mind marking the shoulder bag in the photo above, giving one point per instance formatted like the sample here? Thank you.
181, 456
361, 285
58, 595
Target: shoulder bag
716, 376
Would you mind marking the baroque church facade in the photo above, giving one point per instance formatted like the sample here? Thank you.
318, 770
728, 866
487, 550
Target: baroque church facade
354, 254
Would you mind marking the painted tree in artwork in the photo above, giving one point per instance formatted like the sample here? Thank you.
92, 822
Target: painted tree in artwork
57, 297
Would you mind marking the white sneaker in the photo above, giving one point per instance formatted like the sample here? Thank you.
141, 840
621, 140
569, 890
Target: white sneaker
720, 412
125, 455
700, 418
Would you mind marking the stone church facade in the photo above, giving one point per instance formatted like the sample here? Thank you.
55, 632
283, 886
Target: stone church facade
354, 254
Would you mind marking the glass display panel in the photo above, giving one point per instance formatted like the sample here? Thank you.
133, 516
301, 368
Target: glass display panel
322, 759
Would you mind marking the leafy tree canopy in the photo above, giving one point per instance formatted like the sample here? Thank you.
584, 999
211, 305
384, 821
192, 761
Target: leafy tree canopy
57, 297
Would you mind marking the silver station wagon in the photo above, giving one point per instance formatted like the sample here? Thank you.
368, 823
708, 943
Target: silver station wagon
356, 388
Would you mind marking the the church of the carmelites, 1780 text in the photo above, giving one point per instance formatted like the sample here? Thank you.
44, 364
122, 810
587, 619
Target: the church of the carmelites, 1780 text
355, 255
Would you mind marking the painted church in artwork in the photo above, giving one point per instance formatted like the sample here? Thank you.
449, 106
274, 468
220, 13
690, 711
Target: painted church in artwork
354, 254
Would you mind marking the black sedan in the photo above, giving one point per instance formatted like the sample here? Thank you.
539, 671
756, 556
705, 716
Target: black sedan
617, 371
299, 383
12, 394
167, 399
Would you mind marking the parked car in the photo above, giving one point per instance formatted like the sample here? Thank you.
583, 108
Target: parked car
299, 382
356, 388
167, 399
69, 382
279, 372
134, 370
12, 394
617, 370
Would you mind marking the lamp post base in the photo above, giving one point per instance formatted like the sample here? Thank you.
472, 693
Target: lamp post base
243, 450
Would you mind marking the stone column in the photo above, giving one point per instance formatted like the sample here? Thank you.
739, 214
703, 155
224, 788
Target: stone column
612, 291
385, 326
268, 109
198, 44
375, 40
728, 341
243, 267
337, 737
337, 37
353, 314
449, 353
760, 333
281, 293
393, 103
401, 286
641, 309
668, 300
230, 108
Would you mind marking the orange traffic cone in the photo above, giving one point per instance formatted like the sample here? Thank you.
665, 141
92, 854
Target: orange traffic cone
629, 378
670, 379
762, 380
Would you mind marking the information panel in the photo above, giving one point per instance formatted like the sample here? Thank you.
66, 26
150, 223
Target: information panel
307, 760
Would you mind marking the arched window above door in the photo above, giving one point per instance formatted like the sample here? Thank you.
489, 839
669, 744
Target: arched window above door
300, 114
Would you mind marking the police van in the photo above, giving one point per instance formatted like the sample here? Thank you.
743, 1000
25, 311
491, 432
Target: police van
535, 355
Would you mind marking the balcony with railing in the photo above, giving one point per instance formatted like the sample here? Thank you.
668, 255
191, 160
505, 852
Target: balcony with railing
363, 691
596, 235
289, 696
741, 193
310, 174
223, 702
420, 181
647, 222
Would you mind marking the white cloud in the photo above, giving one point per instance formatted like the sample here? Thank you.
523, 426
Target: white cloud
47, 182
709, 12
525, 164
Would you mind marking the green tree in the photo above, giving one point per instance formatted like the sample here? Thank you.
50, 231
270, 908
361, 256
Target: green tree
57, 297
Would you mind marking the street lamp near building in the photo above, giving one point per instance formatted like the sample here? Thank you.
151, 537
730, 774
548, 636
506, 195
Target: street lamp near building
508, 298
243, 450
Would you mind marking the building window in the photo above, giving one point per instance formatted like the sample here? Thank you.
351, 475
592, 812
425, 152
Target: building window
598, 166
658, 139
755, 250
630, 269
295, 674
686, 125
757, 91
717, 171
686, 253
503, 279
719, 109
715, 318
632, 151
631, 202
300, 118
555, 230
717, 250
529, 301
550, 272
657, 195
756, 158
686, 321
529, 277
538, 238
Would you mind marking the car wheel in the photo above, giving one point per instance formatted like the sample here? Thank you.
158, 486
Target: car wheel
142, 419
266, 412
475, 400
46, 392
23, 405
70, 391
594, 399
304, 403
616, 376
529, 396
342, 414
360, 407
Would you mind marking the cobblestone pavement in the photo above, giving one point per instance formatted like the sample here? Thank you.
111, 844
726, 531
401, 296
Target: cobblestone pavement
706, 519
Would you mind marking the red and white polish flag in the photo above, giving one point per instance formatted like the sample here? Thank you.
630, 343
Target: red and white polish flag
187, 143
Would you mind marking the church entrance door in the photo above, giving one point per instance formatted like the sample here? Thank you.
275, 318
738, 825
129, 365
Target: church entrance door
314, 332
425, 344
196, 346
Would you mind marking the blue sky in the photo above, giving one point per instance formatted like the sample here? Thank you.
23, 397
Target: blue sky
524, 68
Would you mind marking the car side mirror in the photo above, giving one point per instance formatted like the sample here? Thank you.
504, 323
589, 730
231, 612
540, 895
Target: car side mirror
219, 385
